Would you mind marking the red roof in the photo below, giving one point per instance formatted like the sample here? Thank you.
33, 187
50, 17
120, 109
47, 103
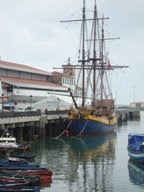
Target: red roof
21, 67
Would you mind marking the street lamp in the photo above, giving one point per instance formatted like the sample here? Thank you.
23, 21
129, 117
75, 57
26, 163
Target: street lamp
58, 100
2, 95
30, 101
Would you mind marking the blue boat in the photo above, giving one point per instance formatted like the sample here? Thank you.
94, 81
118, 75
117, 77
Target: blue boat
136, 147
91, 127
21, 165
94, 111
19, 189
24, 156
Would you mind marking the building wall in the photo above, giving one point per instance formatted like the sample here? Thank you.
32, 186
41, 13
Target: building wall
36, 77
23, 75
11, 73
2, 72
44, 78
56, 79
137, 104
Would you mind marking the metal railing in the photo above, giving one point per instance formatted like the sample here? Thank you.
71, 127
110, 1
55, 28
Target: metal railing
7, 114
56, 112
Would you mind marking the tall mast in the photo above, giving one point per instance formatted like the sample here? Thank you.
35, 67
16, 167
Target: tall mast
94, 56
98, 64
83, 20
83, 54
102, 61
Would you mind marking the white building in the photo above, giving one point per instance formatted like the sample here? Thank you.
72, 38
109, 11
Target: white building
26, 85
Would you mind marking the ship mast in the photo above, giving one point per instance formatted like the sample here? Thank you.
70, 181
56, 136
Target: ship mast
94, 56
82, 60
102, 62
83, 53
99, 64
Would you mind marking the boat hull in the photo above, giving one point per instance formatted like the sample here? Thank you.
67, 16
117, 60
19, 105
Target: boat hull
89, 127
139, 157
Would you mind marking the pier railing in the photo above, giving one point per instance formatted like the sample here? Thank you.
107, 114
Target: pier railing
57, 112
19, 114
14, 114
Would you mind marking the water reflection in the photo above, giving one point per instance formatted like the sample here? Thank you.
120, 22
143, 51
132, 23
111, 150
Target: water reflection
91, 148
92, 159
136, 173
83, 164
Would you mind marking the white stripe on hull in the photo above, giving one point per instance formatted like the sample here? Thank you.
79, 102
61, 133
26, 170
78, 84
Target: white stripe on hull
136, 155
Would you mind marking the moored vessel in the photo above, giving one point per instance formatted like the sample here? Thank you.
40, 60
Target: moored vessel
136, 147
7, 141
96, 113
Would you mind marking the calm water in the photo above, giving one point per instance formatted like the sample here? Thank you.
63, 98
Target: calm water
91, 164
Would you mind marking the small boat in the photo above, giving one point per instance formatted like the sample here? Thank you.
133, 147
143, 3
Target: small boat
16, 159
39, 172
7, 178
13, 184
24, 146
136, 147
19, 189
24, 156
17, 164
12, 161
31, 180
7, 141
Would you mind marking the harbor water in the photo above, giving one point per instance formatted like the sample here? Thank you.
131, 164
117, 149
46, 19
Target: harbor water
91, 164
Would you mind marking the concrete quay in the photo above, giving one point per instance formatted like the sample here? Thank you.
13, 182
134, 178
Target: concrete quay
126, 113
27, 126
30, 125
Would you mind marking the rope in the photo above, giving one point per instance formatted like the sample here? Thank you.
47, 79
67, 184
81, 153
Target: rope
6, 131
81, 130
63, 131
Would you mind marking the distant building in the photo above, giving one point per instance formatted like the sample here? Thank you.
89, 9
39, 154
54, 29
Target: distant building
67, 78
26, 85
137, 104
63, 79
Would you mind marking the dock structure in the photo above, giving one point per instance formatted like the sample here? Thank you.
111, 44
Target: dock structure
33, 124
126, 113
30, 125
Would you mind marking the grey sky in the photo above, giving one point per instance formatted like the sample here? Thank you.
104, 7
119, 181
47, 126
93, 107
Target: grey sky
31, 34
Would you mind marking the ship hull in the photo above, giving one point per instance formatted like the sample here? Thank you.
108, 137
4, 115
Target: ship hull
89, 127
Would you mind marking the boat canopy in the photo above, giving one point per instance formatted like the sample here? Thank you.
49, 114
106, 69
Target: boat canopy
136, 142
10, 139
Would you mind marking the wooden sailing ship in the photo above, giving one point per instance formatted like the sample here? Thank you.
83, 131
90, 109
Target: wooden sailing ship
98, 115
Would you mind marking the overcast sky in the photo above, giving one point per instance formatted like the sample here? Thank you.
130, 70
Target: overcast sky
31, 34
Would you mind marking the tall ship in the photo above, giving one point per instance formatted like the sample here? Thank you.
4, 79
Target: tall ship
96, 113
